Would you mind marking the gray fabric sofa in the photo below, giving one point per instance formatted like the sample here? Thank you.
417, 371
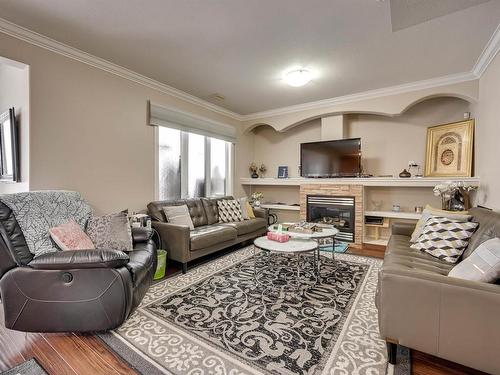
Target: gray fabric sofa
422, 308
184, 245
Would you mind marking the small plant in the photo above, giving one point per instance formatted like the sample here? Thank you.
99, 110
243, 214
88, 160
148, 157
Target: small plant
256, 198
253, 168
262, 169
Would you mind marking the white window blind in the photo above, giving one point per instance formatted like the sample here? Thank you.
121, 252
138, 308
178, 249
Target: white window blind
187, 122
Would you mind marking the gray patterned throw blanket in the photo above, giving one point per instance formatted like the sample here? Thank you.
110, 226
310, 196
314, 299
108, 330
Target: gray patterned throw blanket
38, 211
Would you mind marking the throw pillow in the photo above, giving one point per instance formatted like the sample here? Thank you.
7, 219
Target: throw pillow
244, 209
251, 214
178, 215
229, 211
70, 236
482, 265
111, 232
445, 238
431, 211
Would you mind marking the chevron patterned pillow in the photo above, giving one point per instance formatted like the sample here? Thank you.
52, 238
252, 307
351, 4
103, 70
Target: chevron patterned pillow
229, 210
445, 238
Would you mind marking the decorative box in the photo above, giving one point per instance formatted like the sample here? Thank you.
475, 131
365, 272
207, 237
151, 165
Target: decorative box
278, 237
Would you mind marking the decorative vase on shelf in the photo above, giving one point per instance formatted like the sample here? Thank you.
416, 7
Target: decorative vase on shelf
405, 174
254, 175
256, 203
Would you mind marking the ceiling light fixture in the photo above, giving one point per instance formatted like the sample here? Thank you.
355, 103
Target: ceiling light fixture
298, 77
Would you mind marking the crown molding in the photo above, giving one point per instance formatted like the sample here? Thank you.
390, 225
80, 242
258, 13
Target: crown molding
32, 37
50, 44
371, 94
489, 52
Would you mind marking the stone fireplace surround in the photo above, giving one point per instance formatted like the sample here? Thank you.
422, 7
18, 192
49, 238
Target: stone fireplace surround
355, 191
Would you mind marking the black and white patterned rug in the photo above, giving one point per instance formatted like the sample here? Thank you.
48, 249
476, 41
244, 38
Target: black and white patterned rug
217, 319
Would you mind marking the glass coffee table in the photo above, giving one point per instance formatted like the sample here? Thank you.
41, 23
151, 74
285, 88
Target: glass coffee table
296, 247
327, 232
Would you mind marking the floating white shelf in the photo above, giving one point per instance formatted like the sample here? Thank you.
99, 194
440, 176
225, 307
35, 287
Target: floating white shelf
285, 207
394, 215
368, 181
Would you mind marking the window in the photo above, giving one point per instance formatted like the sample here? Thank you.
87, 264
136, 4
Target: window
192, 165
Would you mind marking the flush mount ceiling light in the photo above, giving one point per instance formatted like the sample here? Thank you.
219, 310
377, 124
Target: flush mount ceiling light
298, 77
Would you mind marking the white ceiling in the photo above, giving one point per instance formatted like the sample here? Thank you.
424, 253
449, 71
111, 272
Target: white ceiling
240, 48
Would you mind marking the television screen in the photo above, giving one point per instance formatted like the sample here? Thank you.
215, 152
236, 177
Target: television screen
341, 158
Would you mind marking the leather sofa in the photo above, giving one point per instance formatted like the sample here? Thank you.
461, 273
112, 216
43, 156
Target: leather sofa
422, 308
184, 245
71, 291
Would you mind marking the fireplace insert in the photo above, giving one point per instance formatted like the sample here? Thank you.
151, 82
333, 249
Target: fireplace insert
335, 210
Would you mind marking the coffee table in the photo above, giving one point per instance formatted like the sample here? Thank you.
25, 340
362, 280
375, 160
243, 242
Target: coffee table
315, 236
295, 247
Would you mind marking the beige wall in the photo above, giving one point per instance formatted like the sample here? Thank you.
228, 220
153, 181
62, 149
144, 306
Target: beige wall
14, 92
487, 143
88, 129
387, 143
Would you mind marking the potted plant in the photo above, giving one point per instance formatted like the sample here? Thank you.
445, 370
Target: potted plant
253, 169
454, 195
256, 198
262, 170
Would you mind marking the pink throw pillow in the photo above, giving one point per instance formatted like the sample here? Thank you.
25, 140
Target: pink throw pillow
70, 236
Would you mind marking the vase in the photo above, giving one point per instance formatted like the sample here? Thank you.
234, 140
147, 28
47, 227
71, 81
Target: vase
256, 203
254, 175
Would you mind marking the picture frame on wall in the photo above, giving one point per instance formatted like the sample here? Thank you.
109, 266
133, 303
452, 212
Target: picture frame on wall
283, 171
450, 150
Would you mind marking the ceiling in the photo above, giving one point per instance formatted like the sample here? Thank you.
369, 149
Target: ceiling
241, 48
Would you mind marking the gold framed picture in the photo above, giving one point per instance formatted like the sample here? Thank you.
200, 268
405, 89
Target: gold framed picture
450, 150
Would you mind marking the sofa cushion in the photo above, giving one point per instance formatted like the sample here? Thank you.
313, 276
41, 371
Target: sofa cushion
178, 215
431, 211
482, 265
229, 210
202, 237
248, 226
445, 238
70, 236
197, 212
489, 227
111, 231
400, 255
155, 209
210, 205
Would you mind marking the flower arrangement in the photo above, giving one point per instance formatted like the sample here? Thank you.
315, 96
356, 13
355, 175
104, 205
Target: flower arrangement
262, 169
253, 169
256, 198
454, 195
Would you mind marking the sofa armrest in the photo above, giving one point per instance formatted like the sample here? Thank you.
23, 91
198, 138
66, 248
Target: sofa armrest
444, 316
261, 212
404, 229
141, 234
74, 259
176, 239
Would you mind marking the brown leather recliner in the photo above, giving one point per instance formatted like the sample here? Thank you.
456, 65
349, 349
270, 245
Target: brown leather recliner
208, 236
71, 291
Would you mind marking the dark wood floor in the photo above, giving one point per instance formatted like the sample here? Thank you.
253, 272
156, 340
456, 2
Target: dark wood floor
71, 354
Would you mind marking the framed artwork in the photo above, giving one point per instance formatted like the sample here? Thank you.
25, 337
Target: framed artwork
450, 150
282, 171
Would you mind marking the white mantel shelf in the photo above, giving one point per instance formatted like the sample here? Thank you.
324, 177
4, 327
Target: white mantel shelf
368, 181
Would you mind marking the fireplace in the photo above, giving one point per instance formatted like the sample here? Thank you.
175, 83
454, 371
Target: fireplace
336, 210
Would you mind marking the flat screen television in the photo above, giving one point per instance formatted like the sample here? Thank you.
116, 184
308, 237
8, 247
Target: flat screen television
328, 159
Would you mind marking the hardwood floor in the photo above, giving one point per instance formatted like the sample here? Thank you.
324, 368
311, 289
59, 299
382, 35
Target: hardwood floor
82, 354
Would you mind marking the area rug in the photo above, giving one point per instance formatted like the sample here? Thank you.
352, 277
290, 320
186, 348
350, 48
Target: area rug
217, 319
30, 367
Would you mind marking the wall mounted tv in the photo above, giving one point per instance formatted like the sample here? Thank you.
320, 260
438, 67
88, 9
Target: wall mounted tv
328, 159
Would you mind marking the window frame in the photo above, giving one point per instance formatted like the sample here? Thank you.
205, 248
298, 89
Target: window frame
229, 164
